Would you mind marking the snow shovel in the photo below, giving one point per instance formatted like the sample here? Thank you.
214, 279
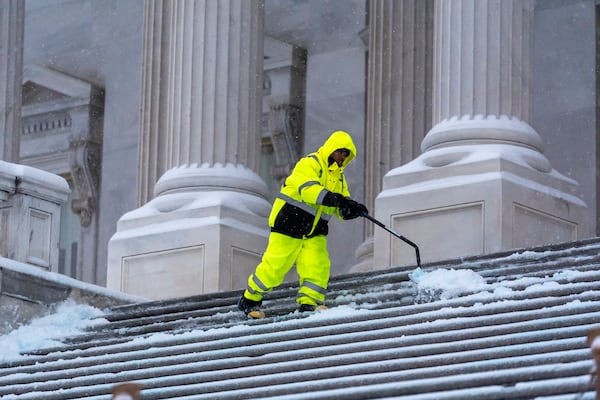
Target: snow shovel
405, 240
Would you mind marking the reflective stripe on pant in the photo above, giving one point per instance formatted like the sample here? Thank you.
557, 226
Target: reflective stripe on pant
312, 265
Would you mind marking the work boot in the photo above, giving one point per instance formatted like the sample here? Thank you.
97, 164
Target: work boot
251, 307
311, 308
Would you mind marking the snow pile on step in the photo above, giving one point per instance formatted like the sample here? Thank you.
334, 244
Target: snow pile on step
66, 320
443, 284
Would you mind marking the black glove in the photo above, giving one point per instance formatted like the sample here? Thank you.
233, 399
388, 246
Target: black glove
334, 200
353, 209
349, 208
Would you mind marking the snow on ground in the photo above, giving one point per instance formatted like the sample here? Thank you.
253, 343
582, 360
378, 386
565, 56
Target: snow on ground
448, 283
70, 319
444, 284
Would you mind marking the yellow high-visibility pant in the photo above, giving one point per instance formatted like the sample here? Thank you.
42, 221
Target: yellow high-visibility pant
312, 264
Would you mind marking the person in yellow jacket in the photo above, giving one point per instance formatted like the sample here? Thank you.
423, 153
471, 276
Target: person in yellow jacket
315, 190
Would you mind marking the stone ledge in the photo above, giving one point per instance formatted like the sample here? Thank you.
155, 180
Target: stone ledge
27, 292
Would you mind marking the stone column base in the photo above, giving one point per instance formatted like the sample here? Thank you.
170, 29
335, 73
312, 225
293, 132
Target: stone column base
475, 199
364, 255
188, 241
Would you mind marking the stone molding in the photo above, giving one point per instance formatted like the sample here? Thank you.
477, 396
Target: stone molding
30, 214
285, 126
86, 163
208, 177
61, 132
62, 120
481, 129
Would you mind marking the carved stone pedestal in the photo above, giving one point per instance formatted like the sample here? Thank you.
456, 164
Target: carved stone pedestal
204, 232
30, 201
475, 199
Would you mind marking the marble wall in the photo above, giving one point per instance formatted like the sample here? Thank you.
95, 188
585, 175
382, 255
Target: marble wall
99, 42
564, 109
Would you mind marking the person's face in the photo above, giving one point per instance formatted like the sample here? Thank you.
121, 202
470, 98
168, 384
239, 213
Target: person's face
339, 156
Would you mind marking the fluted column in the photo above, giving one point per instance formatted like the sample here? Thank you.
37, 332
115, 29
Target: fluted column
399, 94
12, 23
482, 183
202, 80
199, 150
483, 73
399, 85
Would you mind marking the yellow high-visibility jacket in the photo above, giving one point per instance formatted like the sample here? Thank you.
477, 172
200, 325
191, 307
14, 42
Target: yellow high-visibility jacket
298, 211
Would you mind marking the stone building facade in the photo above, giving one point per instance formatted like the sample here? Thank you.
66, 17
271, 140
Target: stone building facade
174, 122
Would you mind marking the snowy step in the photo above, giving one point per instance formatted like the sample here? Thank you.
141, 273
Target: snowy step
238, 367
308, 385
401, 316
521, 336
591, 395
418, 337
526, 261
581, 263
159, 312
189, 321
542, 353
525, 390
538, 299
484, 265
350, 342
196, 318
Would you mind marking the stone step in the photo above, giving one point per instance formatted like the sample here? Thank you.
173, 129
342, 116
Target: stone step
339, 381
415, 335
400, 294
490, 265
524, 339
584, 291
589, 281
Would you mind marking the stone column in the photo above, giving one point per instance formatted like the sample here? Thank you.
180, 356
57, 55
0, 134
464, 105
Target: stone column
12, 23
399, 95
482, 183
202, 74
205, 225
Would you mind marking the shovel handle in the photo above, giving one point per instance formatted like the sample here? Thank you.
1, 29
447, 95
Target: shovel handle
399, 236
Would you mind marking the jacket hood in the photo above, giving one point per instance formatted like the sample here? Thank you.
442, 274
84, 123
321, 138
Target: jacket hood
338, 140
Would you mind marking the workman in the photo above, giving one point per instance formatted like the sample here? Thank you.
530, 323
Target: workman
315, 190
